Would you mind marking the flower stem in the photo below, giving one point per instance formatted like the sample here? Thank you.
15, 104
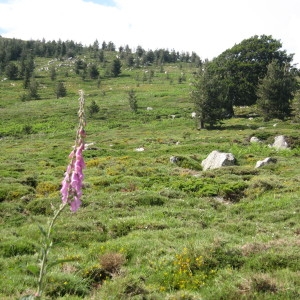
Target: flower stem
46, 249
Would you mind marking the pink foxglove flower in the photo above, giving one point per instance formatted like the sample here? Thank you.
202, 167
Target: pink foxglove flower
72, 184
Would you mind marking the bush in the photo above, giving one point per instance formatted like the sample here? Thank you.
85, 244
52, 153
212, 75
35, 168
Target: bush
59, 285
17, 247
41, 206
112, 262
151, 199
233, 191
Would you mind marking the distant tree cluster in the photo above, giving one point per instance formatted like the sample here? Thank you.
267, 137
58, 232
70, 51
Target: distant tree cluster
256, 71
17, 59
15, 49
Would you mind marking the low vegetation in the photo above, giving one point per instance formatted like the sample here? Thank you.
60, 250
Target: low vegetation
147, 228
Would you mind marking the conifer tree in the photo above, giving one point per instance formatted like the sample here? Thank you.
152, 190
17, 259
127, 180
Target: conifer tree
116, 67
208, 96
132, 99
93, 108
276, 90
60, 90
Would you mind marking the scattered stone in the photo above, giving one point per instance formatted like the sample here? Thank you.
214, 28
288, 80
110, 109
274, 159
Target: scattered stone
280, 142
173, 159
218, 159
89, 146
254, 139
264, 162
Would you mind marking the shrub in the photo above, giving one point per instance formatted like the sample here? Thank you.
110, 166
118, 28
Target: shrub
40, 206
27, 129
30, 181
121, 228
233, 191
95, 274
46, 188
188, 163
263, 283
112, 262
17, 247
185, 271
147, 198
59, 285
260, 185
220, 256
13, 191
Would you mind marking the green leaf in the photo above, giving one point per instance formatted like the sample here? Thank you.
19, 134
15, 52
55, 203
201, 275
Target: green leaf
33, 269
44, 233
61, 261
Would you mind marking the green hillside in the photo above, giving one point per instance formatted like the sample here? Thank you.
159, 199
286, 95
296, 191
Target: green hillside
147, 228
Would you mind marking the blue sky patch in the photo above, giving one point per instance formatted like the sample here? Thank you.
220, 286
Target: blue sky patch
102, 2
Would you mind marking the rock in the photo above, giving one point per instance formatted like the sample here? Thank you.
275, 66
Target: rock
254, 139
280, 142
264, 162
173, 159
218, 159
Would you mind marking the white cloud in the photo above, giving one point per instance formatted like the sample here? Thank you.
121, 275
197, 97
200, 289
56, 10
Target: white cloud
207, 27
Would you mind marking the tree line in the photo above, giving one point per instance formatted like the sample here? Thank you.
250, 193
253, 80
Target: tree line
16, 50
255, 72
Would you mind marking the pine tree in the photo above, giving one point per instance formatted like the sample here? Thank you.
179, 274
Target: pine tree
296, 107
93, 71
60, 90
276, 90
33, 89
208, 96
52, 73
132, 100
11, 71
93, 108
116, 67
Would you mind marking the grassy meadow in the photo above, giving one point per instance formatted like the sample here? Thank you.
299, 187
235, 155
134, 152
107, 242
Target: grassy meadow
147, 229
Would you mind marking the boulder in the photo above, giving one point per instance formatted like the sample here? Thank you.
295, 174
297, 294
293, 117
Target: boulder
264, 162
217, 160
280, 142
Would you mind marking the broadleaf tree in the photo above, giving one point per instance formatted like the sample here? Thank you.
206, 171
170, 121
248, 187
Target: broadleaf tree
242, 66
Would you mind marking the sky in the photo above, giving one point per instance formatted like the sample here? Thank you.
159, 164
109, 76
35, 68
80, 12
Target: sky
206, 27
